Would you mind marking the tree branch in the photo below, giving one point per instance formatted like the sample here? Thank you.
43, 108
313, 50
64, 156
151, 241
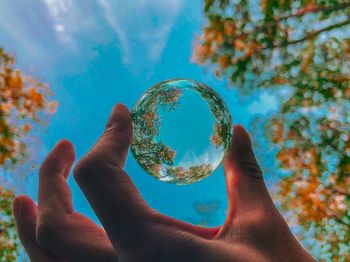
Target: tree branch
309, 35
339, 191
339, 220
299, 13
313, 34
328, 187
313, 9
148, 154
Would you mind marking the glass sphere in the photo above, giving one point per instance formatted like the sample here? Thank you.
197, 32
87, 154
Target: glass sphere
181, 131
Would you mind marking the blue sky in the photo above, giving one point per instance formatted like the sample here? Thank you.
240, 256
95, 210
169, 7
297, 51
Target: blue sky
95, 54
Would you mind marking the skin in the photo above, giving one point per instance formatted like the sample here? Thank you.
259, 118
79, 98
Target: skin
132, 231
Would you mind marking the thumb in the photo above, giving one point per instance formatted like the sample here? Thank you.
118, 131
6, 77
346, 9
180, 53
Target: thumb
244, 180
252, 218
241, 158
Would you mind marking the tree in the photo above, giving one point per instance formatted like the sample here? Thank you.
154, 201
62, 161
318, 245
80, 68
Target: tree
222, 128
23, 99
149, 153
183, 176
23, 103
9, 244
300, 48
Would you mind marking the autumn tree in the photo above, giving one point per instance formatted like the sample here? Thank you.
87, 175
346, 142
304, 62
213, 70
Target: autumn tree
299, 50
183, 176
23, 103
151, 154
222, 128
23, 99
8, 239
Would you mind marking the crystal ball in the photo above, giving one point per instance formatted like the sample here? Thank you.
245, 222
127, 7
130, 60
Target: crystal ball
181, 131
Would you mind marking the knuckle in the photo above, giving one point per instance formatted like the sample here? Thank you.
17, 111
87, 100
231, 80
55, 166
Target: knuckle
118, 132
250, 166
91, 166
50, 166
84, 168
115, 123
118, 126
252, 169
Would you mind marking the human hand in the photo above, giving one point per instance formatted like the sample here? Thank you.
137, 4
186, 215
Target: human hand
253, 231
53, 231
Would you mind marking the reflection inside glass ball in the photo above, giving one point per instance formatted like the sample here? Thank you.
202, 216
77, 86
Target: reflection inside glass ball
181, 131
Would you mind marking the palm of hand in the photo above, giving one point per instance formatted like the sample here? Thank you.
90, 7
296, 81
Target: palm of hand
53, 231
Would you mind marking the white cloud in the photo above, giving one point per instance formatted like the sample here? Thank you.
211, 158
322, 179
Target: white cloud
156, 42
41, 28
114, 23
15, 31
44, 28
59, 11
141, 26
59, 28
68, 19
264, 104
209, 156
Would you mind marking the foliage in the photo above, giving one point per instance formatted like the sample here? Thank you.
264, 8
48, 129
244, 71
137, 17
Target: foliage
23, 103
222, 130
9, 244
22, 99
190, 175
300, 48
152, 153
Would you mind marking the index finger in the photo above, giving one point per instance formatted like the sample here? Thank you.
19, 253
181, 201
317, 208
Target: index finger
54, 193
112, 147
110, 191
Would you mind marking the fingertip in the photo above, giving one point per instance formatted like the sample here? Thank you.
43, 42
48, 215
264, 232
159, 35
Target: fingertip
241, 154
120, 121
66, 146
120, 108
16, 206
64, 149
119, 113
23, 207
239, 128
241, 136
241, 141
23, 200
